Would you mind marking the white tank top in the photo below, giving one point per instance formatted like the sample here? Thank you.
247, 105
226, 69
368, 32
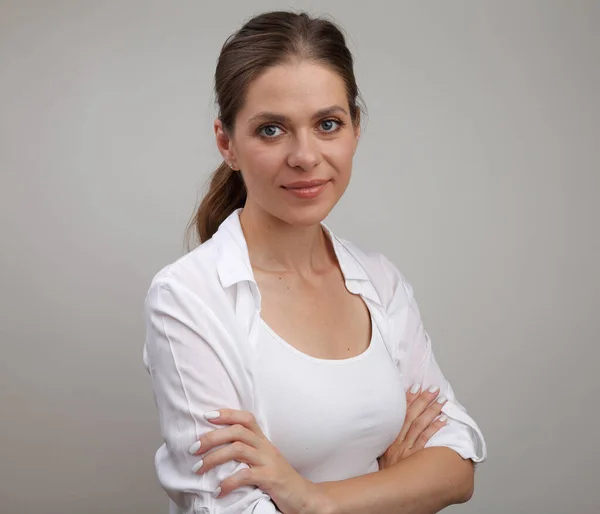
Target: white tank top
330, 419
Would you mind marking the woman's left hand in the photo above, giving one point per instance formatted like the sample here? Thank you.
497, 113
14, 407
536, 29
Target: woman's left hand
269, 471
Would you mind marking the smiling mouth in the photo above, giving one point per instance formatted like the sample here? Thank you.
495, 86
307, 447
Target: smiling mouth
311, 191
306, 185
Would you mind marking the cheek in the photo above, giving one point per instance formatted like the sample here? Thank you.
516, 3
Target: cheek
260, 168
342, 155
263, 155
258, 155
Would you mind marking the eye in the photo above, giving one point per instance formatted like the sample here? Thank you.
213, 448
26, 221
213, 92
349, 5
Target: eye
269, 131
329, 125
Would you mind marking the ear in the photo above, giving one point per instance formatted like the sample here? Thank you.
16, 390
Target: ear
224, 143
357, 133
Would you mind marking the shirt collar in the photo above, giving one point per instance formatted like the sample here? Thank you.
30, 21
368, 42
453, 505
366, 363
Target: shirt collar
234, 265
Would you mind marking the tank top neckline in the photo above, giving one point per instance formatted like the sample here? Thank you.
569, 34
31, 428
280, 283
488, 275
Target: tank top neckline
333, 362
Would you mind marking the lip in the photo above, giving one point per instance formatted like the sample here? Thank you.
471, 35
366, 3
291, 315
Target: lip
304, 184
314, 190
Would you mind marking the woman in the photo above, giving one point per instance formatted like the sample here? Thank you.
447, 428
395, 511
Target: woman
290, 368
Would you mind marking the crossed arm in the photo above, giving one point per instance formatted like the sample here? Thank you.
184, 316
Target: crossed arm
411, 480
424, 483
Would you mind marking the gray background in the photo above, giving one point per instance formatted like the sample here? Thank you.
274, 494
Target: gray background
477, 175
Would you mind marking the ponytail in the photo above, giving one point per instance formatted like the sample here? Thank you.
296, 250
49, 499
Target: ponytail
226, 193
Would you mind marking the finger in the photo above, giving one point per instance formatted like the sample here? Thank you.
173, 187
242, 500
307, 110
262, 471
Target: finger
234, 451
419, 425
413, 393
246, 476
224, 435
430, 431
233, 416
416, 408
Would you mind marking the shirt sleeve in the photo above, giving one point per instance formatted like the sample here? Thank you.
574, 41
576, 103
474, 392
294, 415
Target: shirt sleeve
413, 354
189, 377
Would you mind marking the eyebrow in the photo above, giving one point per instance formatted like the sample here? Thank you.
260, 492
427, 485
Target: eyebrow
281, 118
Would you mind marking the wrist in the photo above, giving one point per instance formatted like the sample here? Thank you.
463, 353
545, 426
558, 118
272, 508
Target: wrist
324, 503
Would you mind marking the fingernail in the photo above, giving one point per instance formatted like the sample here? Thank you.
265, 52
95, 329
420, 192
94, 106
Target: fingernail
213, 414
195, 447
434, 389
443, 419
197, 466
216, 492
442, 399
415, 388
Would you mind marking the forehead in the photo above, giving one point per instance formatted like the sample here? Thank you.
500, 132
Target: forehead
295, 90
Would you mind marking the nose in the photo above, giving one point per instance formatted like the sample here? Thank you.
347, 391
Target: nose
304, 152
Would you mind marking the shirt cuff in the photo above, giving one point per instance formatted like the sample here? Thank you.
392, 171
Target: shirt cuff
461, 434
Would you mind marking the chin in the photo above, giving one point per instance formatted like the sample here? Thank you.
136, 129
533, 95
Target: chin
306, 216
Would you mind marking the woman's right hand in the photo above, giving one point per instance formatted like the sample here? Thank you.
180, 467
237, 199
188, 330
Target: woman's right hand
420, 423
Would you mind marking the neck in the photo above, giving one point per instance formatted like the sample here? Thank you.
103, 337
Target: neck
278, 247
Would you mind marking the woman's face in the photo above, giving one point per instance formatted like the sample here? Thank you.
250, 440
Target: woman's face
294, 126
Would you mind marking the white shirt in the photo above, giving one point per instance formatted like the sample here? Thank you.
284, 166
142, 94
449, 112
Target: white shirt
202, 350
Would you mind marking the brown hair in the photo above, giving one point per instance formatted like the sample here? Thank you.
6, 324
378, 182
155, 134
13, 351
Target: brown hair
264, 41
